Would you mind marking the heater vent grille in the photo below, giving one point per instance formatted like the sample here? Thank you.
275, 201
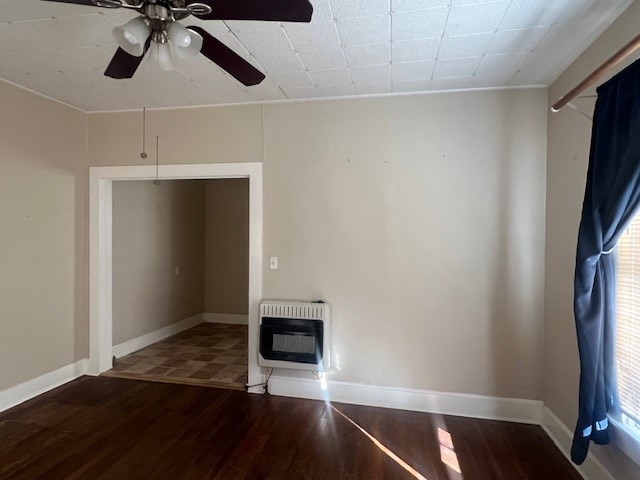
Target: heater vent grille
307, 311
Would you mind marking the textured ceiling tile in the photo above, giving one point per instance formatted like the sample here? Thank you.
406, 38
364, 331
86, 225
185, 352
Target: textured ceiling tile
323, 59
65, 57
26, 10
196, 95
586, 11
315, 36
201, 71
505, 63
419, 24
66, 32
365, 88
262, 36
458, 67
405, 72
409, 5
470, 2
337, 91
365, 31
495, 80
332, 77
451, 83
267, 90
280, 62
301, 92
464, 46
542, 66
476, 18
321, 11
368, 54
522, 40
371, 74
343, 9
412, 86
228, 91
532, 13
416, 50
118, 16
293, 80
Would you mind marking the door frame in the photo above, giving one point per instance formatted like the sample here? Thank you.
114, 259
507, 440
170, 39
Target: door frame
101, 249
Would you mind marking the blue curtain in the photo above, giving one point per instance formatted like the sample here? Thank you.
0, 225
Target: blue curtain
612, 197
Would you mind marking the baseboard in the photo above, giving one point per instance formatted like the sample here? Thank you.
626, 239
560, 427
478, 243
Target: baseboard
591, 469
26, 391
228, 318
150, 338
464, 405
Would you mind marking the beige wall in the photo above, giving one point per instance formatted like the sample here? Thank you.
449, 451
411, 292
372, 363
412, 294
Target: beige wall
155, 230
226, 278
420, 218
568, 153
43, 243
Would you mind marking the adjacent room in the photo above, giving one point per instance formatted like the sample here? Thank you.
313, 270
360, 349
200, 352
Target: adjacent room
180, 281
320, 239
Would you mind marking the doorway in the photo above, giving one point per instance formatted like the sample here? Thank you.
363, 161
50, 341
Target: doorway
101, 250
180, 281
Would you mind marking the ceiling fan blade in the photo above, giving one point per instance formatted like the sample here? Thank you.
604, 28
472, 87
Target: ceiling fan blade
124, 65
234, 64
78, 2
268, 10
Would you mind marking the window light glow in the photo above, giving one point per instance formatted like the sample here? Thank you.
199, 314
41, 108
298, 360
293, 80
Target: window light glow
628, 322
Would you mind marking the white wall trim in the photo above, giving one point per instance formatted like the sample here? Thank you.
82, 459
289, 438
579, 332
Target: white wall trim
32, 388
150, 338
591, 469
464, 405
227, 318
101, 249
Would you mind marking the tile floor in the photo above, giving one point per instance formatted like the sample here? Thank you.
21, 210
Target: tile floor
209, 354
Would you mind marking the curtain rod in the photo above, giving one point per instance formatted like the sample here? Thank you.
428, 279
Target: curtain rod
593, 77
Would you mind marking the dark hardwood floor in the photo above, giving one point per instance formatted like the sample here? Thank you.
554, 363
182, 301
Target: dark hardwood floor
109, 428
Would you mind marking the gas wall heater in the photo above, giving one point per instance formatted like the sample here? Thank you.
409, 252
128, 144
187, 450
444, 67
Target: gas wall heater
294, 335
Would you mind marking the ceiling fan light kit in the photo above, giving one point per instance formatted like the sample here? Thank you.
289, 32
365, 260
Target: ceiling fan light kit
157, 28
132, 36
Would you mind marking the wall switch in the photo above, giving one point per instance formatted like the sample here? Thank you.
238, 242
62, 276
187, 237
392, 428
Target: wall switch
273, 263
176, 271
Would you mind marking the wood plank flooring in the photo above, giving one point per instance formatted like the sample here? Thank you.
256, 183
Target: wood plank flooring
110, 428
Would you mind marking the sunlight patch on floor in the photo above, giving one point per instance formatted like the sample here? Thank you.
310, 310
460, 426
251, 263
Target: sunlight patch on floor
447, 450
382, 447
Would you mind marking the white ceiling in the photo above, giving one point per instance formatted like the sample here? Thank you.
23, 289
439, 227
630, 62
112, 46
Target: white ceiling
351, 47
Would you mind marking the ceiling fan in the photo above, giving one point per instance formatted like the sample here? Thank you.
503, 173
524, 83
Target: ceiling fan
158, 29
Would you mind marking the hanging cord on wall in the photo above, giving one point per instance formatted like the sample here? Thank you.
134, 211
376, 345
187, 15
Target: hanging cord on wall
265, 384
143, 154
156, 182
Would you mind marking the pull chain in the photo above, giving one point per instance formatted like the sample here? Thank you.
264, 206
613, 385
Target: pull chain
144, 155
156, 182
